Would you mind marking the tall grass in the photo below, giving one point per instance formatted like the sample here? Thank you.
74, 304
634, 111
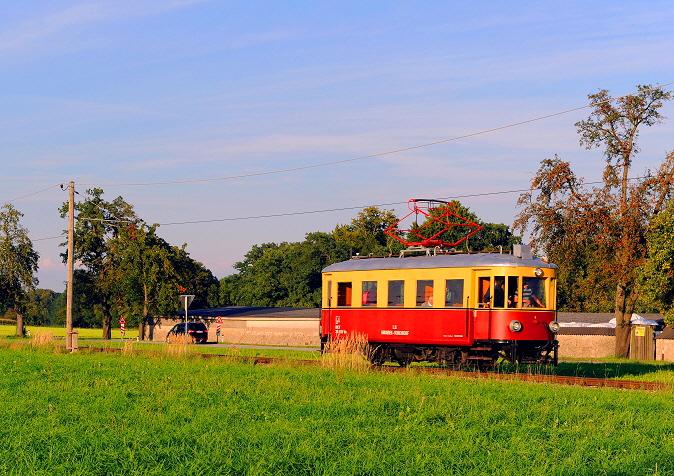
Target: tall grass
352, 352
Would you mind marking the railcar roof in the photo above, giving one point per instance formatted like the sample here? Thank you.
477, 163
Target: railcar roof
472, 260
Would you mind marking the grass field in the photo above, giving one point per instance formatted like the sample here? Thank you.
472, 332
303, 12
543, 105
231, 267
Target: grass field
157, 413
9, 330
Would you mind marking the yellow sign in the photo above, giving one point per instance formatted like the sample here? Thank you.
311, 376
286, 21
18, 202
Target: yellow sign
639, 331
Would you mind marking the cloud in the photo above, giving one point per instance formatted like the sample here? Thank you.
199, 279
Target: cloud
48, 263
34, 30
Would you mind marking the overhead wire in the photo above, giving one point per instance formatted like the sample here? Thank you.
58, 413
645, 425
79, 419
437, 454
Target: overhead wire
31, 194
370, 156
328, 210
325, 164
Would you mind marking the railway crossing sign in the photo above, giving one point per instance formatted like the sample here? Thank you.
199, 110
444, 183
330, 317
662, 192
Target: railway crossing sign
218, 321
122, 324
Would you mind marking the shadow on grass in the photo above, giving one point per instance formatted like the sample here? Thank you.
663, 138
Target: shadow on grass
620, 369
623, 369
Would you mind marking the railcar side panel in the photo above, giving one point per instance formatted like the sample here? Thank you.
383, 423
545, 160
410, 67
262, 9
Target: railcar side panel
426, 327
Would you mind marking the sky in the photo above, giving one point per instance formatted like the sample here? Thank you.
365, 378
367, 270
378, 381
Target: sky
122, 95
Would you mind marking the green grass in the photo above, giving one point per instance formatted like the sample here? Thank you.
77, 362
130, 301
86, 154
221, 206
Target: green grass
96, 413
9, 330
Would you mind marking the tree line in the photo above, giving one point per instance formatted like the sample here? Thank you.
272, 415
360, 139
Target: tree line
612, 242
126, 269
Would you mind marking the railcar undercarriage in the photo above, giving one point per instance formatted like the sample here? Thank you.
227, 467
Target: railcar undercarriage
482, 355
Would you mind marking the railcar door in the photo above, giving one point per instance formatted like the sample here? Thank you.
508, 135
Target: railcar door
485, 297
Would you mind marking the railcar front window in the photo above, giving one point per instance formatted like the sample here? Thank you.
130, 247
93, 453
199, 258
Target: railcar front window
533, 292
369, 293
425, 293
343, 294
454, 293
396, 293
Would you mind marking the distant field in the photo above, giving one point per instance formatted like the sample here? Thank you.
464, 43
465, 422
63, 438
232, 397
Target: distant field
156, 413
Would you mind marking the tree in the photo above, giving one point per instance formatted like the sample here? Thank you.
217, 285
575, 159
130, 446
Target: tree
598, 236
18, 264
127, 269
284, 275
657, 274
491, 237
152, 273
365, 234
41, 307
98, 223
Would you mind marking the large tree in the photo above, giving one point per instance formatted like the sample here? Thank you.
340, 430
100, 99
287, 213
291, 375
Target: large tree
126, 269
598, 236
97, 225
18, 264
153, 274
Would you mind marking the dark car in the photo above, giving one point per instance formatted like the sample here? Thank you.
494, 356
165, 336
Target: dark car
197, 332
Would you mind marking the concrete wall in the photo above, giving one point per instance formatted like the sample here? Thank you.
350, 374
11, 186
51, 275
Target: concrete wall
252, 330
664, 349
589, 347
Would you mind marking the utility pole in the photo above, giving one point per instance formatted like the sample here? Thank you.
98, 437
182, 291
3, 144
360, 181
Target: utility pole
71, 251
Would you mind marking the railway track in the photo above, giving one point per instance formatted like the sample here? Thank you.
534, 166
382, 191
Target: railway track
536, 378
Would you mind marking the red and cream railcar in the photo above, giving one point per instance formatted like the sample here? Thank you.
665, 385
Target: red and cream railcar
451, 308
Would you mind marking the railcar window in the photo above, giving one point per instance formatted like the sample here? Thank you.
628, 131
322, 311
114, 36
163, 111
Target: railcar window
512, 291
533, 292
343, 294
425, 293
369, 293
396, 293
329, 293
454, 292
484, 291
499, 291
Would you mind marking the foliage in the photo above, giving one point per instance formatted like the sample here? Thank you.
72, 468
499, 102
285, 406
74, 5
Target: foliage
657, 276
598, 236
491, 237
283, 275
216, 417
42, 307
289, 274
365, 234
96, 284
18, 263
128, 269
154, 274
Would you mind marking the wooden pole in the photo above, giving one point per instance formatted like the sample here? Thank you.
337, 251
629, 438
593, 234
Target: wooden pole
71, 251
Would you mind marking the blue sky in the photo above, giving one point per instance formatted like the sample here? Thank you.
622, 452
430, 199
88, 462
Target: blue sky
120, 92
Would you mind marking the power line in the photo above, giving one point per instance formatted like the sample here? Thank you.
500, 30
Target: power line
328, 210
354, 159
31, 194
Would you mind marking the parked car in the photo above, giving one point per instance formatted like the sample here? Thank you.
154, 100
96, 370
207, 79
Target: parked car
197, 332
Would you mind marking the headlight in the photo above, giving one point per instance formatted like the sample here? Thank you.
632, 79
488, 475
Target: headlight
538, 272
515, 326
554, 326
